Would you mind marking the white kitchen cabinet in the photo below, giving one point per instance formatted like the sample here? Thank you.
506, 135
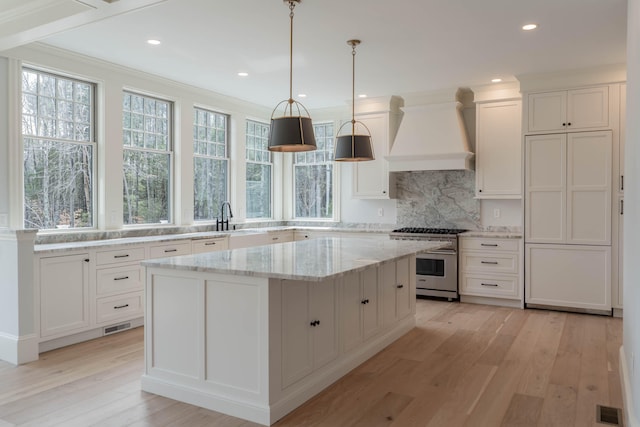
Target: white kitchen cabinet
309, 328
170, 249
575, 276
372, 179
280, 236
568, 188
360, 304
398, 289
569, 110
490, 267
64, 294
199, 246
119, 285
245, 240
498, 150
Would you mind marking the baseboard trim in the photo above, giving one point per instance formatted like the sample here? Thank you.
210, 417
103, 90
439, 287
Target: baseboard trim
18, 350
630, 419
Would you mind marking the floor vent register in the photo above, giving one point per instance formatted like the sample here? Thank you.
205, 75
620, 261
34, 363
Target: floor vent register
608, 415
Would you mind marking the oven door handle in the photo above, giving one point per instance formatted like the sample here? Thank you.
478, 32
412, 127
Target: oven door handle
441, 251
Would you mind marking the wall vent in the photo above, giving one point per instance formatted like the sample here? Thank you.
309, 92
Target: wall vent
108, 330
608, 415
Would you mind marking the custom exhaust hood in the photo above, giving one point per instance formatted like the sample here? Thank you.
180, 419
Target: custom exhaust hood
431, 136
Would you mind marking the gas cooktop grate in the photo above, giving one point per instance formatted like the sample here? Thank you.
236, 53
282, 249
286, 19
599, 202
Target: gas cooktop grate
424, 230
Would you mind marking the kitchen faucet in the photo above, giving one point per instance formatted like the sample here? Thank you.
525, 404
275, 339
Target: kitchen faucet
221, 222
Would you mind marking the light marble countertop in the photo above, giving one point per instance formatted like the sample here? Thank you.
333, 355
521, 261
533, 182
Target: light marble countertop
132, 241
492, 234
311, 260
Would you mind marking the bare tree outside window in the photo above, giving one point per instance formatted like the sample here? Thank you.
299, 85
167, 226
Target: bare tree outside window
59, 145
147, 153
259, 170
313, 176
210, 163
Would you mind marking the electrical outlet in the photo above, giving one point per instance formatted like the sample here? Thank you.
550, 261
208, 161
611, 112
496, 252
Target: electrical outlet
496, 213
380, 212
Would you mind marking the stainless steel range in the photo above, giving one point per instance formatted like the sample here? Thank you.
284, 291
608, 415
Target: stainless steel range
437, 270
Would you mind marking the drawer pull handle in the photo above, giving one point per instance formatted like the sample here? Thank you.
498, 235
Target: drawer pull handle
121, 256
210, 243
166, 251
120, 306
489, 284
495, 245
400, 286
315, 323
274, 238
489, 262
364, 301
121, 278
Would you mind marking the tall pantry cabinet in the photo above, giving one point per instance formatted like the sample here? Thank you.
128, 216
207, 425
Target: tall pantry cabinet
570, 174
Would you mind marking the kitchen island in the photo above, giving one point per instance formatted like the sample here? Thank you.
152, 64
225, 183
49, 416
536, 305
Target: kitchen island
255, 332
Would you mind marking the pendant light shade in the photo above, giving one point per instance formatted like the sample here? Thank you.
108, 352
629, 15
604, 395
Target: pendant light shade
291, 127
355, 147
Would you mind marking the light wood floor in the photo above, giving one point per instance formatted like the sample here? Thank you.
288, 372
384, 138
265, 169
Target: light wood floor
464, 365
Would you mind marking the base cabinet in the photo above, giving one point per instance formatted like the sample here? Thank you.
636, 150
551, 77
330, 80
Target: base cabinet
490, 267
570, 276
309, 322
64, 295
398, 289
360, 307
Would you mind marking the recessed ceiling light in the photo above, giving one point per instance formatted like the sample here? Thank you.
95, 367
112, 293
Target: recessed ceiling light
153, 42
362, 95
302, 95
243, 74
496, 80
529, 27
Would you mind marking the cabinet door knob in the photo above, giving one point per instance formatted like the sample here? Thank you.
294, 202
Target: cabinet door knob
569, 124
400, 286
86, 260
564, 124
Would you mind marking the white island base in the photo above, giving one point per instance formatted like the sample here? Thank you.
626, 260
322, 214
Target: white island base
258, 347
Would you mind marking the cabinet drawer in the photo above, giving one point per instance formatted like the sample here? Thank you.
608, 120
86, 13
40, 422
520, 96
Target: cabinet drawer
469, 243
490, 286
120, 307
173, 249
490, 262
119, 279
280, 237
209, 245
120, 255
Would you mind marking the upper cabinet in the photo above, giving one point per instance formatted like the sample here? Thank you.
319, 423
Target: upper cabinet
569, 110
372, 179
498, 149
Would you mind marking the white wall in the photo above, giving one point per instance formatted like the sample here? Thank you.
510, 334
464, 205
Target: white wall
631, 328
4, 142
509, 211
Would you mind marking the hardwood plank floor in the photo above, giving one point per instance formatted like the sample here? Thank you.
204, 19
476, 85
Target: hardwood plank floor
463, 365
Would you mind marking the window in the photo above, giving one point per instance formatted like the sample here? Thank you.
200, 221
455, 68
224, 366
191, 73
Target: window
146, 136
210, 163
59, 149
258, 170
313, 177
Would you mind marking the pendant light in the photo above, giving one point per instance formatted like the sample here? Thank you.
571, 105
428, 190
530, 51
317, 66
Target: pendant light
355, 147
291, 130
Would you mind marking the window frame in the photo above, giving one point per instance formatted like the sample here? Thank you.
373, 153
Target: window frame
270, 163
170, 151
227, 159
93, 140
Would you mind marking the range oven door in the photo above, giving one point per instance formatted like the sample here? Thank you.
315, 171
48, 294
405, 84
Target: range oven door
437, 274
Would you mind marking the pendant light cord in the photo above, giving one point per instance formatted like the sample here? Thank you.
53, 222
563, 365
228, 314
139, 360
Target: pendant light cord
292, 5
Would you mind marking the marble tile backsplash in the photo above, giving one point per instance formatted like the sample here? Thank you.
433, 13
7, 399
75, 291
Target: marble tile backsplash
439, 199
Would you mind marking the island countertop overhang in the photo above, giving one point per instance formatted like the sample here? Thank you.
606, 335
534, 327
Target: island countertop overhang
311, 260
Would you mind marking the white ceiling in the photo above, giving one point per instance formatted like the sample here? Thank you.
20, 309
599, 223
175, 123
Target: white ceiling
407, 47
